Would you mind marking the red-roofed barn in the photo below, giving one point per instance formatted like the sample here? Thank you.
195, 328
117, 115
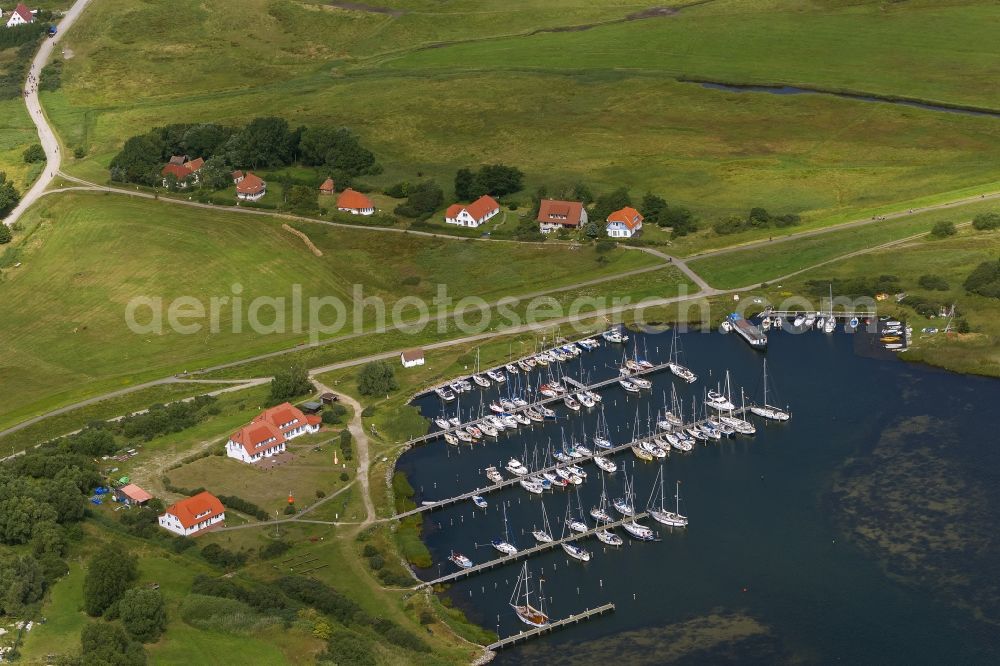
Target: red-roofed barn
193, 514
266, 435
473, 214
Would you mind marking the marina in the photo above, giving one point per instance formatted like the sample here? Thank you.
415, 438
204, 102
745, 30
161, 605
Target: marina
724, 488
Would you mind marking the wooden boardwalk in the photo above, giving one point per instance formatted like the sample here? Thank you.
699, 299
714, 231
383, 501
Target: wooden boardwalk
464, 497
531, 633
526, 552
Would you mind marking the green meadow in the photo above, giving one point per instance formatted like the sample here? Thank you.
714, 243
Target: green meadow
602, 105
85, 256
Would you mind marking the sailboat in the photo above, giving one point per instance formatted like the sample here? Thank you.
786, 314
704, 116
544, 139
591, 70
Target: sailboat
526, 612
721, 401
543, 535
504, 545
831, 322
576, 524
635, 530
574, 551
624, 505
481, 381
602, 438
659, 511
674, 364
600, 512
768, 411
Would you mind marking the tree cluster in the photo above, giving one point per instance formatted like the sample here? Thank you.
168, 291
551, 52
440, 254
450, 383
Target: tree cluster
107, 644
265, 142
943, 229
933, 283
9, 196
757, 218
984, 280
986, 221
855, 286
494, 179
110, 573
290, 383
377, 378
33, 153
422, 199
164, 419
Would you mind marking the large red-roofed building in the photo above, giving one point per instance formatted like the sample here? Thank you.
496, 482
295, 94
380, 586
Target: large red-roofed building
267, 434
473, 214
193, 514
554, 215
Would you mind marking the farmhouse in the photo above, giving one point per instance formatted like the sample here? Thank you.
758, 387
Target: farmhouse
266, 435
327, 186
473, 214
193, 514
183, 170
410, 358
624, 223
355, 203
554, 215
20, 16
250, 188
237, 177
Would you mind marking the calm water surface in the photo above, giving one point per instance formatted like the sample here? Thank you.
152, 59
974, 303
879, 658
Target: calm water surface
862, 531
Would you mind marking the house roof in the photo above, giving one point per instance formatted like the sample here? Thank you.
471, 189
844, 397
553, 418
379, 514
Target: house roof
195, 509
628, 216
286, 414
24, 12
178, 170
135, 493
352, 200
178, 159
195, 164
327, 185
412, 354
250, 184
238, 173
477, 209
268, 428
560, 212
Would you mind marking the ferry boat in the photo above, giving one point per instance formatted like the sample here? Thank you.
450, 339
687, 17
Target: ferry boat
461, 561
753, 335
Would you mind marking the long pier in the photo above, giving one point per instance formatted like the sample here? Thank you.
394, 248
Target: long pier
531, 633
528, 552
577, 387
431, 506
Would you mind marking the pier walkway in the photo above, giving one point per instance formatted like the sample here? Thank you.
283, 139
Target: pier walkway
430, 506
575, 384
528, 552
531, 633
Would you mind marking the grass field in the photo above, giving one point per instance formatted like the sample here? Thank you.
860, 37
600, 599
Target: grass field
715, 152
68, 337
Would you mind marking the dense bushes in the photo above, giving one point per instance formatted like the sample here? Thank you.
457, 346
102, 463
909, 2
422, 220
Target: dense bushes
273, 549
933, 283
22, 582
243, 506
493, 179
143, 614
109, 573
289, 383
857, 286
262, 598
222, 557
984, 280
345, 444
377, 378
9, 196
51, 78
422, 199
757, 218
164, 419
986, 221
334, 415
16, 69
33, 153
943, 229
105, 644
213, 613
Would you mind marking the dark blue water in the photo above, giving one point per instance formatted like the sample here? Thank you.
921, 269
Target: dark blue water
862, 531
793, 90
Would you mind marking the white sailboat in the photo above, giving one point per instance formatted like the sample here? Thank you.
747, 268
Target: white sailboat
766, 410
526, 612
659, 511
504, 546
674, 364
544, 534
720, 400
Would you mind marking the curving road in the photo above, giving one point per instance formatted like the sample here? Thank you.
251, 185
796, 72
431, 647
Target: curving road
53, 159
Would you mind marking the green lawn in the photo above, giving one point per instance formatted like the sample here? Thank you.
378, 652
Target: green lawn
85, 256
769, 262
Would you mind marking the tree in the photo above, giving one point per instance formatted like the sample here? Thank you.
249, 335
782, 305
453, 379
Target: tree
143, 614
497, 180
464, 183
422, 199
263, 142
21, 582
48, 538
943, 229
216, 173
377, 378
986, 221
592, 229
289, 383
5, 235
933, 282
609, 203
19, 515
653, 209
9, 196
303, 199
583, 194
109, 574
139, 160
34, 153
984, 280
205, 140
336, 148
106, 644
680, 220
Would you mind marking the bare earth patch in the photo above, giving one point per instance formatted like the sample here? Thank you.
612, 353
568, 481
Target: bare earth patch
371, 9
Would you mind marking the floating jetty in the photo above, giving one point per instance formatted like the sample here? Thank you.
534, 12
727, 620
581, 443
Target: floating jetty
531, 633
528, 552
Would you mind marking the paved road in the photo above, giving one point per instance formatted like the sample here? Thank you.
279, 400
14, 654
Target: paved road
53, 158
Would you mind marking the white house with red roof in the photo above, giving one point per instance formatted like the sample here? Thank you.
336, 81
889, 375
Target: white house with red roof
554, 215
473, 214
193, 514
267, 434
20, 16
250, 187
624, 223
184, 171
355, 203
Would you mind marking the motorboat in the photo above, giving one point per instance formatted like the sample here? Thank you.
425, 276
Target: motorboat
641, 382
442, 423
576, 552
511, 368
607, 465
608, 537
575, 469
628, 386
641, 453
461, 561
487, 429
496, 407
568, 476
445, 394
451, 439
533, 414
571, 403
532, 486
524, 366
718, 401
585, 400
494, 475
514, 466
547, 413
509, 422
479, 501
481, 381
555, 480
496, 376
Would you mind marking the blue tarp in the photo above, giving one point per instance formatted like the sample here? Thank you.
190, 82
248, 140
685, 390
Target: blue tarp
100, 490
